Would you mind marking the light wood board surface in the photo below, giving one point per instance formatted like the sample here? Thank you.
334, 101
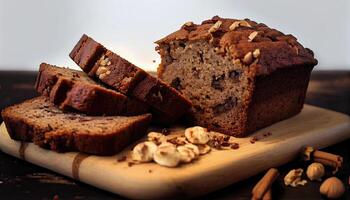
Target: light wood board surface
312, 127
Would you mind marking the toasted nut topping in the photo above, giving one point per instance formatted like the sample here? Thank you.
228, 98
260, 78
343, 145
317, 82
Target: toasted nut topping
248, 58
186, 154
188, 24
101, 70
194, 148
244, 23
215, 27
256, 53
252, 36
156, 137
143, 152
203, 149
293, 178
237, 24
234, 25
167, 155
197, 135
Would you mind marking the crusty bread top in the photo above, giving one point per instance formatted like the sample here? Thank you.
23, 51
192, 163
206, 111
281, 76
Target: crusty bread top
40, 121
240, 38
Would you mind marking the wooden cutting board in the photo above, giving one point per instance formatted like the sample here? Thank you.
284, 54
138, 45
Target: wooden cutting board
312, 127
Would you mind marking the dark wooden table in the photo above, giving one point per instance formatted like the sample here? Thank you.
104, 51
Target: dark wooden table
22, 180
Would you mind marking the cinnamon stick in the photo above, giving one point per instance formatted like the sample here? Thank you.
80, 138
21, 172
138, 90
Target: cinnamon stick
264, 185
327, 156
324, 158
268, 195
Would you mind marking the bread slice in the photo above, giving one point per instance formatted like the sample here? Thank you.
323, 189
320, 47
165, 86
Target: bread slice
72, 89
118, 73
239, 75
38, 120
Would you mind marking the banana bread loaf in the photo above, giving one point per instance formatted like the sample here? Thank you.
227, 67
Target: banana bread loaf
38, 120
240, 75
72, 89
167, 103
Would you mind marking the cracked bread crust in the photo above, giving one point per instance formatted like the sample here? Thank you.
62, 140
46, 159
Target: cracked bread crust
38, 120
239, 75
129, 79
72, 89
277, 49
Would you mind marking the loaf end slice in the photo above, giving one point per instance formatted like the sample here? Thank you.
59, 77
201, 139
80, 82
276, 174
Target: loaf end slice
72, 89
129, 79
38, 120
239, 75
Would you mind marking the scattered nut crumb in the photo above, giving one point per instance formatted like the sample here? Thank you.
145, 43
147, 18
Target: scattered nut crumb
235, 146
172, 150
254, 139
121, 159
150, 171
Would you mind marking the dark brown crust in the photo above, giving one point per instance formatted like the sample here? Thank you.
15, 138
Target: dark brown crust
86, 57
271, 102
83, 95
61, 140
131, 80
277, 50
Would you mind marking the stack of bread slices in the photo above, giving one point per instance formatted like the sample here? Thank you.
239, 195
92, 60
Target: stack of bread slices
79, 112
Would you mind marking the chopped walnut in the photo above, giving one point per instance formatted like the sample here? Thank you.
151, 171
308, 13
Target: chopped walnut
188, 24
293, 178
256, 53
215, 27
252, 36
248, 58
237, 24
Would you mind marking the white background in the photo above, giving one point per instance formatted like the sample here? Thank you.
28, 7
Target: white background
35, 31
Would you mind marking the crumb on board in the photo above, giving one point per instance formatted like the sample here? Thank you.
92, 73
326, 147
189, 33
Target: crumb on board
121, 159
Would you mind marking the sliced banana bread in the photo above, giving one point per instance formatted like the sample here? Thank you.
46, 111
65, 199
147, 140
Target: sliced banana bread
38, 120
240, 75
128, 79
72, 89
